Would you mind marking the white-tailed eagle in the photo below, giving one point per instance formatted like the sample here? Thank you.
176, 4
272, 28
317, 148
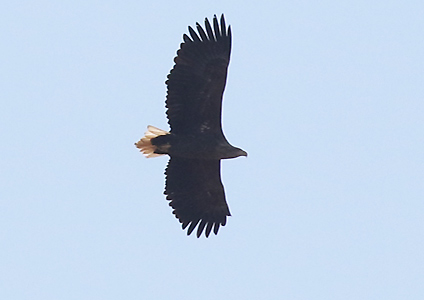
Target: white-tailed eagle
196, 143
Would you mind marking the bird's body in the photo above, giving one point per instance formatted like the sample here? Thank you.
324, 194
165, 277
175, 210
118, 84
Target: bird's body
196, 143
207, 146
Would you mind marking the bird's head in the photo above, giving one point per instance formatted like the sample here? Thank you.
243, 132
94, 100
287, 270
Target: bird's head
234, 152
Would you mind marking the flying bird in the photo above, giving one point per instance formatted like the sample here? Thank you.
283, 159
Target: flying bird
196, 143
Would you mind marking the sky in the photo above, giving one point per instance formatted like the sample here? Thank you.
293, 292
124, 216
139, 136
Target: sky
325, 96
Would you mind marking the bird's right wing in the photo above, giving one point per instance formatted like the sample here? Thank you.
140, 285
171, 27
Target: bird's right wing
197, 81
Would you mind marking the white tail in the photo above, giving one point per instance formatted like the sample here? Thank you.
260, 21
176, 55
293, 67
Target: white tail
145, 144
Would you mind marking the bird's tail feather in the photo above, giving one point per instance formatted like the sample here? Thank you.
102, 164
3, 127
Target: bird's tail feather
145, 144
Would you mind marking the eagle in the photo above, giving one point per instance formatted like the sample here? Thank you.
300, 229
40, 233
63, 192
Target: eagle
196, 143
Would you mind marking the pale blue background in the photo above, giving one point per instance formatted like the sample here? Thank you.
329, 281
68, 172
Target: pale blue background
326, 96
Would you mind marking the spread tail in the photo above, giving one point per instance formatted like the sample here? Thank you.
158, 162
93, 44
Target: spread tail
145, 144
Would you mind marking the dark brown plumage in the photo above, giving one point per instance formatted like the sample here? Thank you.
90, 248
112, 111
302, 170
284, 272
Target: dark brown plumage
196, 143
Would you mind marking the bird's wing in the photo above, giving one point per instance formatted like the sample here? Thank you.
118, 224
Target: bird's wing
196, 193
197, 81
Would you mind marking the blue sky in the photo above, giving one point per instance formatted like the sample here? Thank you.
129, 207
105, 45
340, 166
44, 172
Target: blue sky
326, 97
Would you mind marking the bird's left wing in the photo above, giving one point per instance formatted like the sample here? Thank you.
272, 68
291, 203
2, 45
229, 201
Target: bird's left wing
196, 193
